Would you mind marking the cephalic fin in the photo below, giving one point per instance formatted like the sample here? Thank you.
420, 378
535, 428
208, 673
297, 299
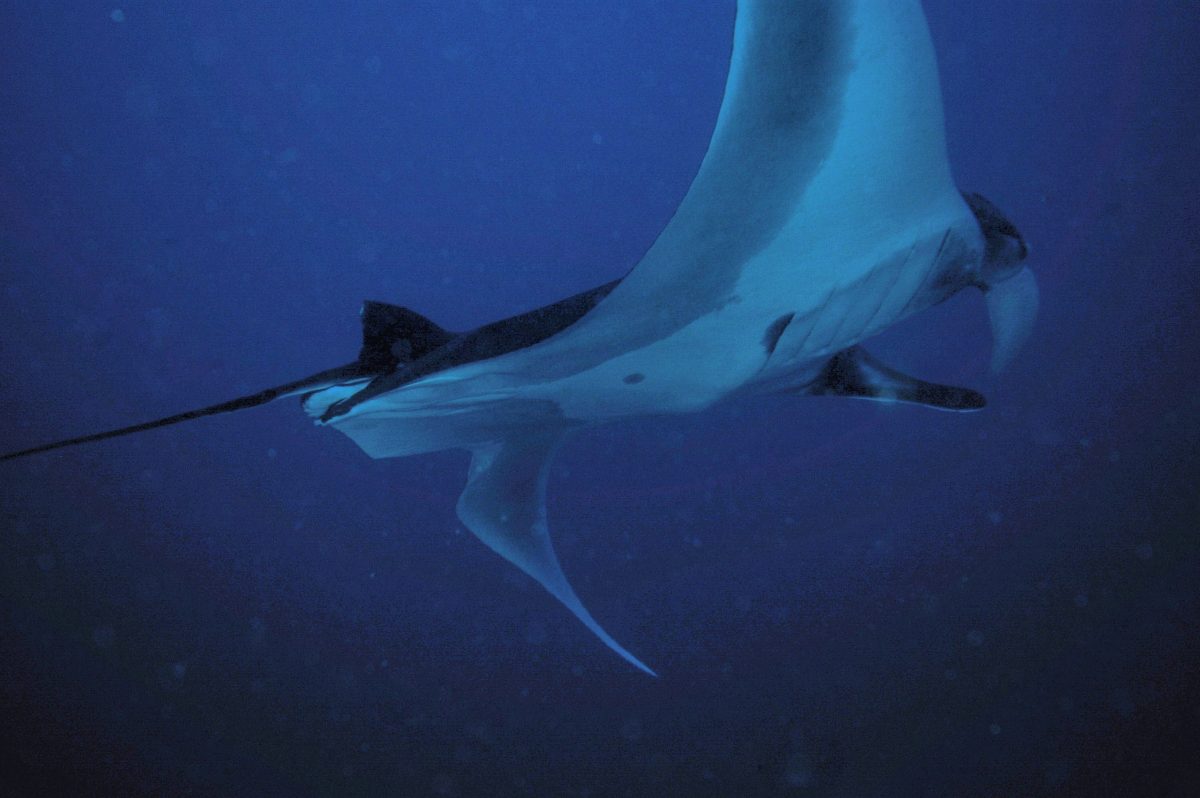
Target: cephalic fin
1012, 309
504, 505
855, 373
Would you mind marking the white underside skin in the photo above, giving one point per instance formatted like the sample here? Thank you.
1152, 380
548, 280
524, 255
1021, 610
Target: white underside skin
826, 194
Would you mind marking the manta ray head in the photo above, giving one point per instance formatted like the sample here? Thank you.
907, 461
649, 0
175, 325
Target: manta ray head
1005, 249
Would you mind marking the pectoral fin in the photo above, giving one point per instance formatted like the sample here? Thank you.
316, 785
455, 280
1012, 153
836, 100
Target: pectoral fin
855, 373
504, 505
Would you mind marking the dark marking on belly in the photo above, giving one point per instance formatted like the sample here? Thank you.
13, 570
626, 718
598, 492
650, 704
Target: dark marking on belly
634, 378
775, 332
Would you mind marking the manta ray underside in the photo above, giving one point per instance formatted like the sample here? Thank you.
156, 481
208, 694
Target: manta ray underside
823, 212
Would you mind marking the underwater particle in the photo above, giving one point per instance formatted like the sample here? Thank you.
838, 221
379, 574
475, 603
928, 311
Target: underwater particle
1049, 438
157, 325
975, 637
152, 169
287, 156
179, 669
632, 730
996, 517
45, 561
994, 729
147, 588
1081, 600
258, 631
463, 755
950, 674
373, 65
880, 550
597, 138
207, 50
368, 254
271, 453
1057, 774
104, 636
1144, 551
1122, 701
443, 784
798, 772
117, 15
536, 634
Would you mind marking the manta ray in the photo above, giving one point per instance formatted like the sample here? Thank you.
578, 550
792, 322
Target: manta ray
823, 212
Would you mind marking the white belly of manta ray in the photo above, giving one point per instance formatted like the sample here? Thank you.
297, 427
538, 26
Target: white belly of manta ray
823, 212
729, 351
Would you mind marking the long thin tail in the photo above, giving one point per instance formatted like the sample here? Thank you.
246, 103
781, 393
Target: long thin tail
242, 402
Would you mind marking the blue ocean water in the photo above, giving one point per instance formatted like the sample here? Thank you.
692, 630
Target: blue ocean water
842, 599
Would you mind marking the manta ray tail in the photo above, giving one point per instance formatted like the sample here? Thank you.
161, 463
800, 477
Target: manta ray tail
1012, 306
504, 505
391, 336
349, 372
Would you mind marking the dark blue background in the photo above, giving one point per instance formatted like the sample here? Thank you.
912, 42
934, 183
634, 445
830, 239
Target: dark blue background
842, 598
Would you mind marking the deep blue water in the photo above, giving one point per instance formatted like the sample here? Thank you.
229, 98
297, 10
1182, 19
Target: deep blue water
842, 598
